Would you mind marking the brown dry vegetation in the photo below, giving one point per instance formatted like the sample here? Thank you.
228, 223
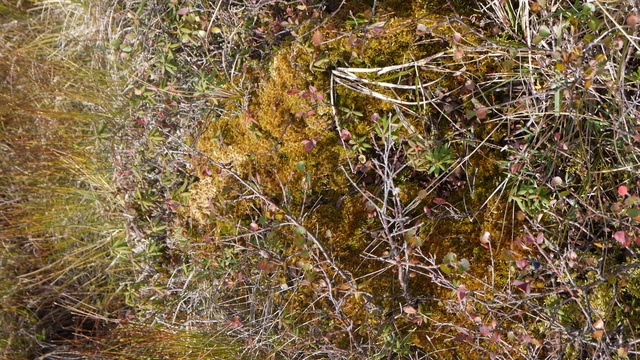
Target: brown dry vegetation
264, 194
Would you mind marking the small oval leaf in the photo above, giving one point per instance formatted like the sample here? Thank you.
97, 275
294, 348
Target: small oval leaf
463, 265
317, 38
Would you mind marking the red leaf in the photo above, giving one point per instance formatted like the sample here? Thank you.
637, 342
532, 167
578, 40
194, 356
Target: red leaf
540, 238
266, 266
309, 144
417, 320
622, 190
522, 285
522, 264
345, 134
516, 167
292, 92
440, 201
236, 321
485, 330
462, 292
623, 238
495, 338
317, 38
463, 336
319, 97
312, 89
528, 239
183, 11
249, 118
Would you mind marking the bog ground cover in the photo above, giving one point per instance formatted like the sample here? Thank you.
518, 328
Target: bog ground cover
320, 179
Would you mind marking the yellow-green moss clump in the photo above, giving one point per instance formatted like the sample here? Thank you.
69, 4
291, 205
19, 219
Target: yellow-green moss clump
284, 141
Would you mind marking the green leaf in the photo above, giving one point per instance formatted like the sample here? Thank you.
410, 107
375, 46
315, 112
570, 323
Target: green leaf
445, 269
463, 265
300, 230
631, 200
544, 31
449, 258
299, 240
633, 213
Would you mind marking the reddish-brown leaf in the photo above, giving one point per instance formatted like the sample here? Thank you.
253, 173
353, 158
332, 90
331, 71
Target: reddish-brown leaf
528, 239
623, 238
410, 310
266, 266
516, 167
183, 11
440, 201
522, 285
485, 330
481, 112
417, 320
309, 144
317, 38
557, 136
462, 292
495, 338
426, 210
235, 322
